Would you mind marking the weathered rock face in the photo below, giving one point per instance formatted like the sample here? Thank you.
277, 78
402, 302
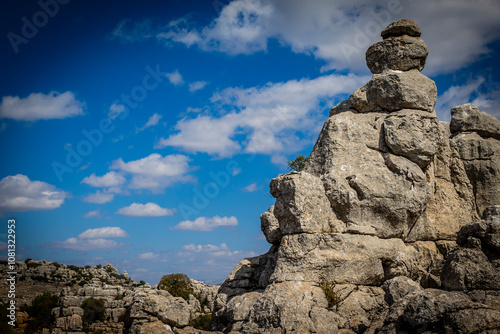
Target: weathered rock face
365, 237
477, 136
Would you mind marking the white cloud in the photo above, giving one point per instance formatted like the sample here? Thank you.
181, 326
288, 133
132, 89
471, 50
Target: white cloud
144, 210
110, 179
197, 85
103, 232
84, 245
92, 214
206, 224
99, 198
155, 172
138, 32
250, 188
205, 248
148, 256
152, 121
204, 134
210, 260
470, 92
115, 110
39, 106
175, 78
338, 32
213, 250
3, 246
19, 193
94, 239
270, 117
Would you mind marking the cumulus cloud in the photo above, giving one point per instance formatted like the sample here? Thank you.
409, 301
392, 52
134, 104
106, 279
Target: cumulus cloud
19, 193
38, 106
144, 210
197, 85
206, 224
110, 179
85, 245
270, 117
92, 214
94, 239
148, 256
219, 251
457, 31
211, 262
250, 188
477, 91
155, 172
152, 121
175, 78
99, 197
116, 110
103, 232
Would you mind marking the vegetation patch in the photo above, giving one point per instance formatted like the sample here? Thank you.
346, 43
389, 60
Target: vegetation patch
331, 296
178, 285
93, 310
202, 322
298, 164
40, 312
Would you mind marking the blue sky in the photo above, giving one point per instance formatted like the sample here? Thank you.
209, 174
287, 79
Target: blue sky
145, 133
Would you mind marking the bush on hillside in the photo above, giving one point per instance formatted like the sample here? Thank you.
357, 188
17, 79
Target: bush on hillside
178, 285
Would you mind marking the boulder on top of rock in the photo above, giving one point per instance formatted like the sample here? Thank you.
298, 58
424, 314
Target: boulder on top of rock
400, 28
396, 90
401, 53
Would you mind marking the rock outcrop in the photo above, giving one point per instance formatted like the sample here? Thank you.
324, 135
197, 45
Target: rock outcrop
375, 234
380, 233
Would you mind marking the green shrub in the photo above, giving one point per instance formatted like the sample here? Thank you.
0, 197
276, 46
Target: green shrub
178, 285
93, 310
88, 266
202, 322
40, 312
120, 296
298, 164
331, 296
98, 266
141, 282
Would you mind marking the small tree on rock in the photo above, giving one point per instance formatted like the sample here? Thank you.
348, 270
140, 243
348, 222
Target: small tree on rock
298, 164
178, 285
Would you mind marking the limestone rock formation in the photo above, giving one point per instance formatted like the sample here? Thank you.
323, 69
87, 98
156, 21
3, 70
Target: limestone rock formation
365, 237
477, 137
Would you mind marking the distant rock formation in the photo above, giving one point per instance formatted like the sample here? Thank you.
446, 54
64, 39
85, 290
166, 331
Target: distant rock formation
380, 218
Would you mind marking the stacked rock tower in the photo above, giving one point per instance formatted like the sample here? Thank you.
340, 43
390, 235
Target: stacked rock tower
365, 238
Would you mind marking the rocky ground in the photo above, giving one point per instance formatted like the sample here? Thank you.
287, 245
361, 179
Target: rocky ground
392, 227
